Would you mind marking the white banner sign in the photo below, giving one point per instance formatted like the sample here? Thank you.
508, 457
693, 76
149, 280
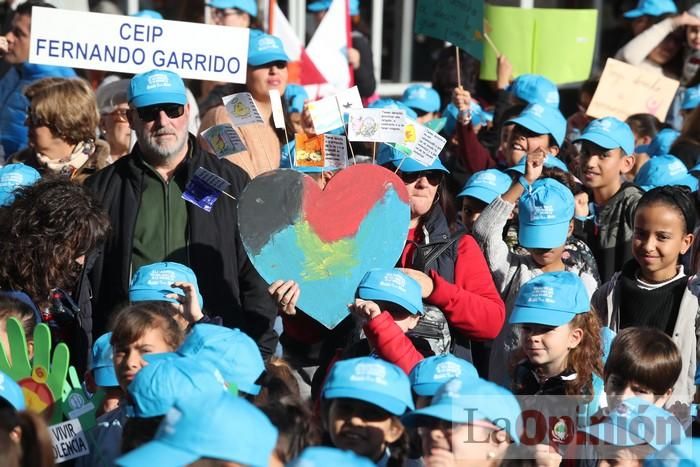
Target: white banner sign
134, 45
68, 440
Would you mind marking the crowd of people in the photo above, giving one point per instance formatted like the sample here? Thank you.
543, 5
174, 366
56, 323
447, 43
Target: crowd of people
544, 310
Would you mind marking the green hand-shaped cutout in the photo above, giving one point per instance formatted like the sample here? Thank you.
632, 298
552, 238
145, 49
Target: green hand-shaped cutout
77, 404
43, 379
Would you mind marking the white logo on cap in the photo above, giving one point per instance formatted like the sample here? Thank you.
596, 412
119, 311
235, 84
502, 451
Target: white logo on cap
537, 110
552, 97
395, 281
370, 373
452, 388
171, 418
541, 294
160, 277
676, 168
447, 370
602, 125
419, 93
542, 212
487, 178
266, 43
11, 180
158, 80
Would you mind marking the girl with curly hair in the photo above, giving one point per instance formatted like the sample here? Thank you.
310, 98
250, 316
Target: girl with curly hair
47, 232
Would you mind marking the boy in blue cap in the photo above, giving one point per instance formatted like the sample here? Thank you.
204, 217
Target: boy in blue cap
607, 151
424, 100
481, 189
538, 127
428, 375
224, 428
546, 210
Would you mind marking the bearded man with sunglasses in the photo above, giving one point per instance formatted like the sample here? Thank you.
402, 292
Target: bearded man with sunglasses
142, 193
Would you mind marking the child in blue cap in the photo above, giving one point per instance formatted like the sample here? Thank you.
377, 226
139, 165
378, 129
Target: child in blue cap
480, 190
607, 151
546, 210
428, 375
424, 100
653, 289
469, 422
537, 127
362, 403
101, 375
559, 353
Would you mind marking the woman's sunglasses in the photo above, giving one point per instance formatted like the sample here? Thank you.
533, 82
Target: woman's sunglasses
434, 177
151, 112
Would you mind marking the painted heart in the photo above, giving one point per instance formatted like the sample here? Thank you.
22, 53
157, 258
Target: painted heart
324, 240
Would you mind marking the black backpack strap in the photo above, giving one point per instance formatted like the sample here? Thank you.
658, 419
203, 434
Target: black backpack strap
442, 247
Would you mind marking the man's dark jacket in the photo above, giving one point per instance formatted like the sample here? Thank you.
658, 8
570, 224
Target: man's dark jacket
228, 282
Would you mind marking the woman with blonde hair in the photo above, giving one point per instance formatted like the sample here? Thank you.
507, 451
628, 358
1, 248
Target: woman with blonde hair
62, 120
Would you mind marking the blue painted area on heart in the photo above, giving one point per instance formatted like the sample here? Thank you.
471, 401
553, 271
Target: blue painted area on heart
328, 273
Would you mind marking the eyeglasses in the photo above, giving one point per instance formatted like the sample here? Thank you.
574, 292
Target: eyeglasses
221, 13
151, 112
434, 177
279, 64
119, 114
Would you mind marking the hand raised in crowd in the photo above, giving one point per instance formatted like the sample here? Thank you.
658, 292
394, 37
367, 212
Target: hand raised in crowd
307, 124
546, 456
354, 58
364, 310
504, 71
439, 458
188, 304
286, 295
533, 169
424, 280
686, 19
581, 204
461, 98
4, 45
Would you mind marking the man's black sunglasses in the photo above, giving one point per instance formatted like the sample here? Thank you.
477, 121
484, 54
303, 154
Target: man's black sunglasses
434, 177
151, 112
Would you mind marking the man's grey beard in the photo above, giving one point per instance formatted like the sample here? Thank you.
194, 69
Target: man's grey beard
156, 153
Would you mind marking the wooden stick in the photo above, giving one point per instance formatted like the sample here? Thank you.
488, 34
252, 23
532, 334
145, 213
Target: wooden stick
345, 130
493, 46
374, 151
459, 68
400, 163
230, 196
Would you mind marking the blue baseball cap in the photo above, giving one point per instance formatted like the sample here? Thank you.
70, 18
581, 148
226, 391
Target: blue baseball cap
551, 299
11, 392
248, 6
432, 372
168, 378
535, 89
421, 97
102, 365
322, 456
479, 115
13, 176
550, 161
152, 14
664, 170
662, 142
231, 351
636, 421
609, 133
392, 104
486, 185
295, 95
467, 400
685, 453
322, 5
24, 298
691, 98
652, 8
389, 154
154, 282
222, 427
543, 120
265, 48
545, 212
371, 380
156, 87
392, 285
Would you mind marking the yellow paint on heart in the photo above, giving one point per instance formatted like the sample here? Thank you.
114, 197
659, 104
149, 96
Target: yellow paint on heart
324, 260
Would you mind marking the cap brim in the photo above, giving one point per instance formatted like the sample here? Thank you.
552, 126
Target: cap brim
426, 389
368, 293
528, 315
277, 56
151, 295
391, 404
154, 98
543, 236
602, 140
417, 104
695, 169
412, 165
529, 123
613, 434
146, 455
632, 14
480, 193
105, 376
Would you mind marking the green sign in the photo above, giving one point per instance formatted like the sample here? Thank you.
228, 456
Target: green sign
460, 22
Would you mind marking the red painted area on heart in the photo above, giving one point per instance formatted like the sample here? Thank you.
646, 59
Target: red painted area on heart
338, 210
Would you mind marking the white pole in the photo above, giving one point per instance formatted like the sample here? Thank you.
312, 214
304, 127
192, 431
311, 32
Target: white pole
132, 7
377, 32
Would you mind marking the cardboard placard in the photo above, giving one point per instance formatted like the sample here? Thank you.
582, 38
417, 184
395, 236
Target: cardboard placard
277, 110
309, 150
68, 441
335, 151
327, 114
381, 125
222, 140
241, 109
556, 43
428, 147
457, 21
624, 90
129, 44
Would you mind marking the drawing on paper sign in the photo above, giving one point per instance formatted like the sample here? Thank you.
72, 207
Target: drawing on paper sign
239, 108
365, 126
309, 150
410, 133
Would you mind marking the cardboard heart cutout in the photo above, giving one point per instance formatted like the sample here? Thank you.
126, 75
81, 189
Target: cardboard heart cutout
324, 240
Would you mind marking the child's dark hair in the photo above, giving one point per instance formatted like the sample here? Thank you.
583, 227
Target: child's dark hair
646, 356
130, 323
643, 124
139, 431
296, 425
675, 197
277, 382
565, 178
35, 449
13, 308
